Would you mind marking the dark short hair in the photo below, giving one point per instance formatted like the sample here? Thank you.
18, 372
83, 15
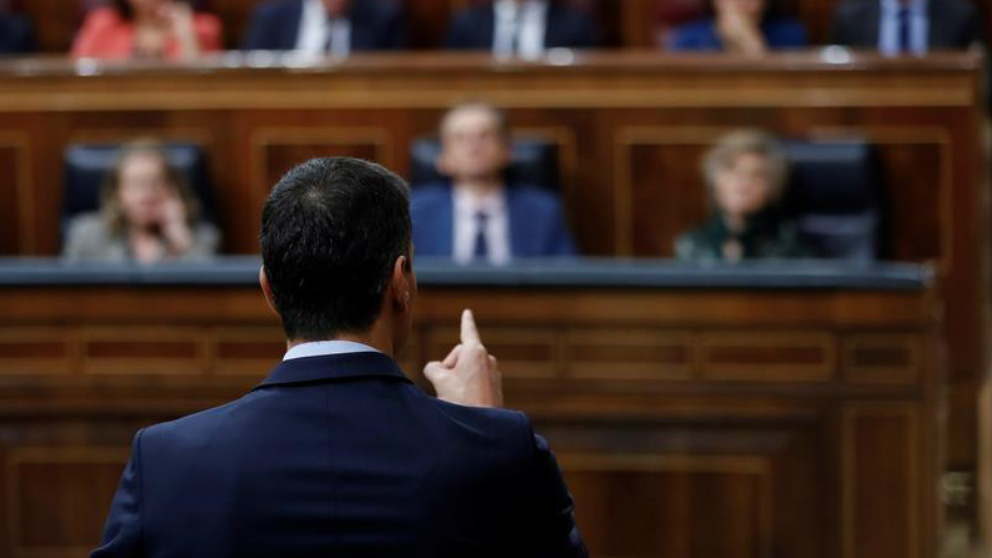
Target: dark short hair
332, 230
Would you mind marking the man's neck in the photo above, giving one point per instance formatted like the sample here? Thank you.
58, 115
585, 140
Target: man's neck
480, 187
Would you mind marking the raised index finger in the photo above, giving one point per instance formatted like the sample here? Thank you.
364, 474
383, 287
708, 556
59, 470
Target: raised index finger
470, 333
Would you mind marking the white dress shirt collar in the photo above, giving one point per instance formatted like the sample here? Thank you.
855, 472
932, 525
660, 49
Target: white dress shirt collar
326, 348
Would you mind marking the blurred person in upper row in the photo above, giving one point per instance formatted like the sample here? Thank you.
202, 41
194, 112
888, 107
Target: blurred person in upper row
336, 27
157, 29
16, 33
479, 217
746, 174
742, 27
525, 28
913, 27
148, 214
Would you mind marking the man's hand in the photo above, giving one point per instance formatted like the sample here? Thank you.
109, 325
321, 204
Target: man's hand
469, 375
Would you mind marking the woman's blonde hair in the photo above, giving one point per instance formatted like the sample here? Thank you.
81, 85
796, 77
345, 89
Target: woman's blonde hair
110, 205
748, 141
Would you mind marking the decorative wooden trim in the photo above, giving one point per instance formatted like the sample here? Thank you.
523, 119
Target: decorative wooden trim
850, 415
18, 456
907, 345
802, 366
620, 369
131, 343
501, 341
30, 363
263, 137
626, 138
20, 142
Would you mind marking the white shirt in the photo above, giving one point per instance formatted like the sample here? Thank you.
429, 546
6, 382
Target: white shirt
326, 348
466, 226
526, 22
316, 29
919, 27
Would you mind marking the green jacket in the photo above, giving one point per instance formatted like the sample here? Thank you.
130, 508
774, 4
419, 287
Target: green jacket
766, 236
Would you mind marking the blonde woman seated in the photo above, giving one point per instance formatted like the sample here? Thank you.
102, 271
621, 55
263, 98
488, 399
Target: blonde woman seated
148, 214
746, 174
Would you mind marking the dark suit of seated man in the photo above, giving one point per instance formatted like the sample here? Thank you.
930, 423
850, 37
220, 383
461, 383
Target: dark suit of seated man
915, 27
336, 27
16, 35
337, 452
521, 27
478, 217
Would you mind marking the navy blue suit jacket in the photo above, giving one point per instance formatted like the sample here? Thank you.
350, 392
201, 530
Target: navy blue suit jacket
341, 456
16, 35
537, 222
473, 28
375, 25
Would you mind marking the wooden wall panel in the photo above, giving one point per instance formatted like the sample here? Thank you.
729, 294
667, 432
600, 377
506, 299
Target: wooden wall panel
60, 497
675, 441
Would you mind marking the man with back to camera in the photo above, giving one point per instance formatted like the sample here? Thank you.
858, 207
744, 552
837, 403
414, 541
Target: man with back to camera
333, 27
479, 217
337, 453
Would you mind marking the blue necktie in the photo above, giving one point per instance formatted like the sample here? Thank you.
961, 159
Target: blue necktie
905, 36
480, 252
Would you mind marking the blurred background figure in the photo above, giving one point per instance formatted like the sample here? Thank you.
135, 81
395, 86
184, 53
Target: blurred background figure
524, 28
740, 26
336, 27
16, 33
479, 217
907, 26
147, 214
166, 29
746, 174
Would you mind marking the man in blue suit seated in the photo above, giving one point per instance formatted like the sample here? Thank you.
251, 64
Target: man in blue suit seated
478, 217
525, 28
337, 452
335, 27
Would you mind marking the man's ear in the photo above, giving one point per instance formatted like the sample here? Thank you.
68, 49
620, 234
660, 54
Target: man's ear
263, 281
401, 284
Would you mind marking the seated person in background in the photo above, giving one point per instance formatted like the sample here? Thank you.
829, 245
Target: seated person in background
147, 214
524, 28
335, 27
480, 218
16, 35
166, 29
907, 26
746, 174
742, 27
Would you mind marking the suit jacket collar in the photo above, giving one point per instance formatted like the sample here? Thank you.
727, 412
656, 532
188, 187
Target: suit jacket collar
333, 367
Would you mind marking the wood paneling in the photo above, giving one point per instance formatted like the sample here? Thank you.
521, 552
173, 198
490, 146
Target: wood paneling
690, 423
630, 127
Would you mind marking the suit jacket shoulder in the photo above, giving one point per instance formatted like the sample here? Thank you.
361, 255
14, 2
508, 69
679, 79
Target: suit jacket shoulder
472, 28
568, 27
855, 23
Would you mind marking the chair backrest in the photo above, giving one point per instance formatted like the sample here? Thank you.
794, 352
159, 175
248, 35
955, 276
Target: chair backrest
533, 162
835, 194
87, 165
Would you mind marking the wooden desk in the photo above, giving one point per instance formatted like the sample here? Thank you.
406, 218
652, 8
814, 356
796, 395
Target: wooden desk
630, 127
697, 412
